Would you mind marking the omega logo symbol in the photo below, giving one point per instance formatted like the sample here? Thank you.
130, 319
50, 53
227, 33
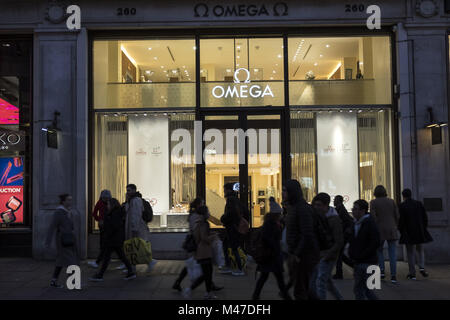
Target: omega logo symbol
241, 90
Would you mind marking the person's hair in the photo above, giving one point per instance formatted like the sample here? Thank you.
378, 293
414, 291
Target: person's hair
294, 191
228, 186
362, 204
63, 197
202, 210
407, 193
272, 199
322, 197
114, 203
132, 187
339, 198
380, 192
194, 204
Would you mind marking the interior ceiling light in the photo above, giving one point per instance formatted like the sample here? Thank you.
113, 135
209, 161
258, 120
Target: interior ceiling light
237, 57
279, 56
194, 47
149, 48
238, 47
156, 58
162, 67
327, 45
321, 56
147, 72
315, 64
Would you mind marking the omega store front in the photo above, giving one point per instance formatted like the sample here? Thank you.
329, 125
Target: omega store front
166, 113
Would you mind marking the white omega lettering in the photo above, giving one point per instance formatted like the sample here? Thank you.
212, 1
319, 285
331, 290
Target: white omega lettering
267, 92
214, 92
257, 93
231, 91
244, 91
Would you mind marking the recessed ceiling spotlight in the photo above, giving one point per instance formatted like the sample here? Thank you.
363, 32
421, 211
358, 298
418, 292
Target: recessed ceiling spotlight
237, 57
274, 71
194, 47
147, 71
228, 70
156, 58
327, 45
279, 56
271, 78
150, 48
321, 56
315, 64
256, 70
162, 67
238, 47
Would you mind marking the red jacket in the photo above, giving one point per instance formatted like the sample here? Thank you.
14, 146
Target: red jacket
99, 210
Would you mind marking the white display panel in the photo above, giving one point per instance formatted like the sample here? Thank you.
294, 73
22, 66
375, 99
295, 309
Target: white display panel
148, 153
337, 155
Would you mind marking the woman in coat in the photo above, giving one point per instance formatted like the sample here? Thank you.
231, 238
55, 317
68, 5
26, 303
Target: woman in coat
203, 254
385, 212
66, 242
113, 239
273, 262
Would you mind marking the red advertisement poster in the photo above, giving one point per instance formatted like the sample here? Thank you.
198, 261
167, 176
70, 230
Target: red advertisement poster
11, 190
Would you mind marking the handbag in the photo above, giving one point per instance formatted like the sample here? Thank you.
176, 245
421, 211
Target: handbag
189, 243
67, 239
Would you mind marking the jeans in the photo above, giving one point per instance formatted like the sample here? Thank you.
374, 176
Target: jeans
262, 280
321, 281
342, 258
360, 286
107, 259
392, 249
412, 249
207, 269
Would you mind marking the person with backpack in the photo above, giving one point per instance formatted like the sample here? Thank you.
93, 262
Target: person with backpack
189, 244
347, 226
364, 243
231, 221
135, 226
203, 253
302, 244
114, 235
269, 255
98, 215
328, 220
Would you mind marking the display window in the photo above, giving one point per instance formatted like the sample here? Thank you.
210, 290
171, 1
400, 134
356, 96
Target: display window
15, 129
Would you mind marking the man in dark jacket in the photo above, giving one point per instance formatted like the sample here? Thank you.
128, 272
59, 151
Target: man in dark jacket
347, 227
230, 220
301, 241
364, 243
412, 225
114, 229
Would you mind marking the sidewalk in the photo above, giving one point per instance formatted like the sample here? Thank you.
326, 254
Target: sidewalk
28, 279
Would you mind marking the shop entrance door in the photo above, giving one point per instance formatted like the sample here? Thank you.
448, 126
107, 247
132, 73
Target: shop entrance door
243, 149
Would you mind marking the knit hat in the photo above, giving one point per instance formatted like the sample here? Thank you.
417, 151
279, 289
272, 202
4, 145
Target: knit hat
105, 194
274, 206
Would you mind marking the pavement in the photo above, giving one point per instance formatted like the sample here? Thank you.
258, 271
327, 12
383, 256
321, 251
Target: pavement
25, 278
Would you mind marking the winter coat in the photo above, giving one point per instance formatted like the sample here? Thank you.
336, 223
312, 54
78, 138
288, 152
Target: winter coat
133, 221
347, 221
230, 220
364, 245
99, 211
335, 224
204, 240
385, 212
413, 223
63, 222
114, 227
271, 237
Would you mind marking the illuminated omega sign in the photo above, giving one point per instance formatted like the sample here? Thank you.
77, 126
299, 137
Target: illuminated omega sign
241, 90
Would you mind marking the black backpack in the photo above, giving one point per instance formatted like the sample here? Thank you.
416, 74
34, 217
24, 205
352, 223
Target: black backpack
323, 231
147, 214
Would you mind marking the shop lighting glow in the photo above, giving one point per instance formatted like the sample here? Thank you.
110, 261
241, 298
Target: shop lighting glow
128, 56
334, 70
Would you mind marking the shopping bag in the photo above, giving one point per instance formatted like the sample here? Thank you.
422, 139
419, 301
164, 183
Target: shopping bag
242, 255
193, 268
138, 251
218, 258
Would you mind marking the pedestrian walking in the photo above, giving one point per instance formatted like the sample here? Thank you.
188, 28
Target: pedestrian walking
98, 215
347, 225
230, 220
271, 246
63, 225
302, 243
364, 244
386, 215
321, 280
135, 226
114, 237
203, 253
190, 246
413, 225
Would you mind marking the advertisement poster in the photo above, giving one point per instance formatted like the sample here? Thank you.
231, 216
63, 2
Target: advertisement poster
149, 159
337, 155
9, 114
11, 190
